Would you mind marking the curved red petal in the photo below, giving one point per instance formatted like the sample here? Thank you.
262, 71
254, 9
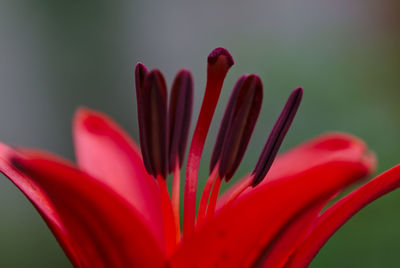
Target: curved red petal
107, 153
317, 151
39, 199
279, 251
239, 232
322, 149
332, 145
333, 218
104, 229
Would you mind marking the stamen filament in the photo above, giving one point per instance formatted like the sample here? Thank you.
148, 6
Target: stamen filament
239, 190
206, 195
213, 198
167, 214
175, 199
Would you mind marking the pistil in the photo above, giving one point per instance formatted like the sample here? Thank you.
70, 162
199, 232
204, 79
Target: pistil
219, 62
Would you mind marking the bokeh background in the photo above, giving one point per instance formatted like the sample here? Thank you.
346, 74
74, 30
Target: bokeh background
58, 55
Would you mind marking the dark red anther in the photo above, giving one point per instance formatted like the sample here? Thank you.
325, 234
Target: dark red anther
238, 124
225, 124
276, 136
180, 113
152, 105
141, 73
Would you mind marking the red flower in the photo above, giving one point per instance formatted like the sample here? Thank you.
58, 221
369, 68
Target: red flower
109, 211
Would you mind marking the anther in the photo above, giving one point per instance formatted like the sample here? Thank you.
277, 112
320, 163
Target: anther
141, 73
276, 137
180, 113
238, 124
152, 115
226, 119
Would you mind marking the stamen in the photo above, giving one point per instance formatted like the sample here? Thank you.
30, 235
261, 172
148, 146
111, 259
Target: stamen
201, 213
175, 199
219, 62
141, 73
213, 198
234, 134
276, 137
180, 113
244, 114
152, 114
152, 105
238, 190
170, 231
226, 120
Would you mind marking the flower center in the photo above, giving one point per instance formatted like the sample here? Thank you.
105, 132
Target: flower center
163, 136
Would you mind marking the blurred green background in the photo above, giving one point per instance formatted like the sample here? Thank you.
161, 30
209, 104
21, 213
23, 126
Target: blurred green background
58, 55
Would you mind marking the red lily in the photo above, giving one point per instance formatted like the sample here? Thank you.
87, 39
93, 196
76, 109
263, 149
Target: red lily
113, 209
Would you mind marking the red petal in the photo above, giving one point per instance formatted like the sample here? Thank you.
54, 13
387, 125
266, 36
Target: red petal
322, 149
329, 222
107, 153
247, 227
277, 254
333, 144
39, 199
317, 151
104, 229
